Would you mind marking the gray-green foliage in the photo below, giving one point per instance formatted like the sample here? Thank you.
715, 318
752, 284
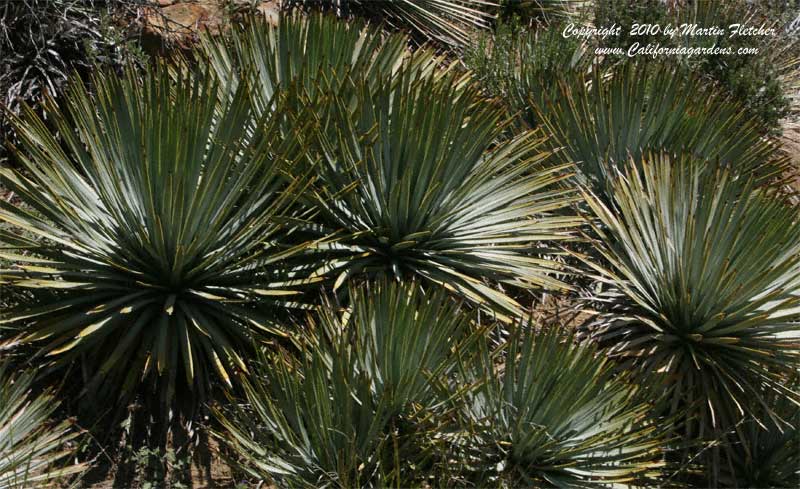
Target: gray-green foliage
175, 219
604, 118
408, 178
157, 254
33, 450
402, 389
302, 52
355, 401
703, 291
446, 22
553, 413
411, 179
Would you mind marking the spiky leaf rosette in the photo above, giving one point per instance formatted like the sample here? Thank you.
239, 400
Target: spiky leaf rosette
448, 22
605, 118
32, 450
404, 336
412, 181
152, 216
351, 412
704, 276
552, 413
300, 50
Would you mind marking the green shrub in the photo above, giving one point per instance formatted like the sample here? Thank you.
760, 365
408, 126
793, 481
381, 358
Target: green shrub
530, 12
402, 389
703, 292
412, 181
603, 120
156, 467
518, 65
489, 59
626, 13
157, 255
753, 80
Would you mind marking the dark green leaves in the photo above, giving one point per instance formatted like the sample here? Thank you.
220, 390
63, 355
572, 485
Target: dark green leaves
31, 448
155, 216
768, 455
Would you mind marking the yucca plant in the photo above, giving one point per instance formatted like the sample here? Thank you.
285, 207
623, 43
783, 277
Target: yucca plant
548, 412
603, 119
703, 289
352, 411
152, 244
447, 22
302, 51
412, 181
311, 425
404, 336
33, 451
768, 455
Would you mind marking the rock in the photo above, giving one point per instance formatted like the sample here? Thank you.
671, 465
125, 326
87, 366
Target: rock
178, 22
181, 22
271, 10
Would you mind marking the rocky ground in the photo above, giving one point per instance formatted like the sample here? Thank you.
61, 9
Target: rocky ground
180, 21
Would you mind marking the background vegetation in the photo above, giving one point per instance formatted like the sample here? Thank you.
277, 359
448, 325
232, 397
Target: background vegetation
411, 244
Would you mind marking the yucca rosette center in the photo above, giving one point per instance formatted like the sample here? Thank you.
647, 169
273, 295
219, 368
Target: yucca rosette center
413, 184
149, 232
705, 268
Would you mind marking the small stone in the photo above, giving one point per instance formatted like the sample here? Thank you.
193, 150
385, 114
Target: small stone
181, 22
271, 10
